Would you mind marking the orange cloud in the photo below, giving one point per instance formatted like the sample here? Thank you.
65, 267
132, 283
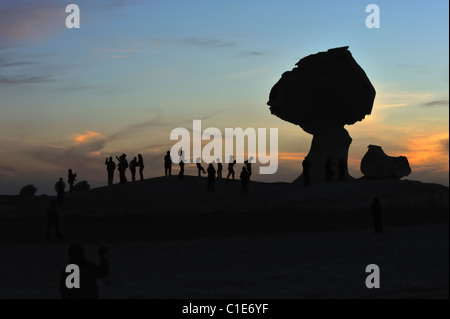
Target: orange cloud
429, 151
392, 105
86, 136
291, 156
354, 165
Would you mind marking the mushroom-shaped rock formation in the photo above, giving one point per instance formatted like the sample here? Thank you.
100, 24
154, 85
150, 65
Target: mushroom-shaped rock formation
377, 165
325, 92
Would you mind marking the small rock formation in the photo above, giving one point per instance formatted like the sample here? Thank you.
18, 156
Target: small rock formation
81, 186
28, 191
377, 165
325, 92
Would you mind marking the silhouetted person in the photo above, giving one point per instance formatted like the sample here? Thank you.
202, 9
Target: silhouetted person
248, 165
122, 167
71, 178
168, 164
200, 167
132, 165
245, 178
53, 220
211, 177
181, 173
219, 168
141, 167
342, 166
60, 187
328, 169
125, 166
306, 172
376, 215
110, 168
231, 168
89, 273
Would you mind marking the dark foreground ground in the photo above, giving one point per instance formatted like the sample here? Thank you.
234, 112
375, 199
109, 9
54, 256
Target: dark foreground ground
158, 227
174, 240
413, 262
167, 209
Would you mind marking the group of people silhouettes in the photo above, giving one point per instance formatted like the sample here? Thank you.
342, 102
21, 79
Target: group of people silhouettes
122, 166
60, 186
93, 271
138, 162
328, 168
212, 173
245, 175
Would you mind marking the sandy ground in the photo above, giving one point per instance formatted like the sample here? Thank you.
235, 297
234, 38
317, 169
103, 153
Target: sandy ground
414, 263
172, 239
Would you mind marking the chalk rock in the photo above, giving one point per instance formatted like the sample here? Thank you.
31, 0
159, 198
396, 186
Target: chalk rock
81, 186
327, 88
377, 165
325, 92
28, 191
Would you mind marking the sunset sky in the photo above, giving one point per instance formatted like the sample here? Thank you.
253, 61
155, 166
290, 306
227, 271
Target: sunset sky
135, 70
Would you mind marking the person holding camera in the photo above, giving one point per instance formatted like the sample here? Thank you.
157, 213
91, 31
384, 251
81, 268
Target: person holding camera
71, 179
89, 273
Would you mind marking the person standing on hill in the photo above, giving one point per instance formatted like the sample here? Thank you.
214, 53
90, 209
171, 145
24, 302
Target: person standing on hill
110, 168
133, 164
181, 173
219, 168
245, 178
248, 165
168, 164
122, 166
211, 177
231, 168
141, 166
200, 167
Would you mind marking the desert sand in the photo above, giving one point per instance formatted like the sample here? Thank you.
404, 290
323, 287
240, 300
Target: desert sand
169, 238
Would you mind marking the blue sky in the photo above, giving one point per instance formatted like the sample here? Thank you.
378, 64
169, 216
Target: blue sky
137, 69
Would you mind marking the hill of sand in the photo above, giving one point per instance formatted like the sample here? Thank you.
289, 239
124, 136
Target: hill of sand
169, 208
170, 238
